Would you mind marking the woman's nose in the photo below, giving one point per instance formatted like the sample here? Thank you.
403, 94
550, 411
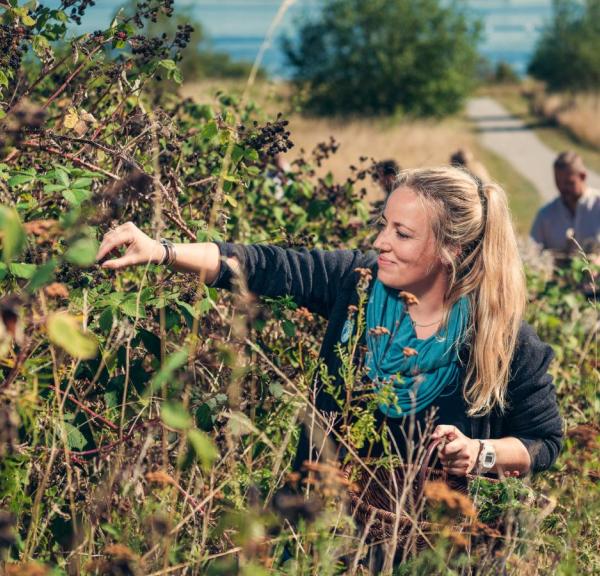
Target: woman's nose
381, 242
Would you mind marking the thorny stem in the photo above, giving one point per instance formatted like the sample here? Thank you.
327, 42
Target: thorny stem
66, 83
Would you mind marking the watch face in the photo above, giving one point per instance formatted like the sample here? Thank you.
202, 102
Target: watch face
488, 459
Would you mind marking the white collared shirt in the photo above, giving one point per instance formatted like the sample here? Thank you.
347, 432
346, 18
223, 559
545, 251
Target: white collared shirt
553, 222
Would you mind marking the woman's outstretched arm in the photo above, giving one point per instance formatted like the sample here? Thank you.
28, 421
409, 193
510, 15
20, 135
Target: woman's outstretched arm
311, 277
201, 258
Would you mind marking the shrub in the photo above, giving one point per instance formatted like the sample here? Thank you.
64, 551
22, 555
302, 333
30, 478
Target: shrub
384, 56
567, 55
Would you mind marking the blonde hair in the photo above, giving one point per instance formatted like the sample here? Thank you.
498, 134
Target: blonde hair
475, 236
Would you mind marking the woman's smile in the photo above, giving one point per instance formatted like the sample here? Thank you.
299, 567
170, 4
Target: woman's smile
383, 261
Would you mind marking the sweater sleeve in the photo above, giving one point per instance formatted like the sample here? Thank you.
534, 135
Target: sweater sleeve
532, 414
312, 277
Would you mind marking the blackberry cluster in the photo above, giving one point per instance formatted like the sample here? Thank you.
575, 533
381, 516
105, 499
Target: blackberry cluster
78, 8
271, 139
149, 10
11, 48
148, 49
183, 36
324, 150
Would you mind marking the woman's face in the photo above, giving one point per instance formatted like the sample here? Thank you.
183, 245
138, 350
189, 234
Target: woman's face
408, 257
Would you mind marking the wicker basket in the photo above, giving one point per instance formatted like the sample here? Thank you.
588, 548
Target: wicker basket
374, 505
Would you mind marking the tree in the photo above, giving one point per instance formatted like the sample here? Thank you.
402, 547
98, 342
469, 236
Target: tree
385, 56
567, 55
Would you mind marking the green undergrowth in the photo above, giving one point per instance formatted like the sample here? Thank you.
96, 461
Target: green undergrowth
147, 422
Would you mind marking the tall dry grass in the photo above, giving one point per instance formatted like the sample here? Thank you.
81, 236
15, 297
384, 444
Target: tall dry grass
577, 113
410, 143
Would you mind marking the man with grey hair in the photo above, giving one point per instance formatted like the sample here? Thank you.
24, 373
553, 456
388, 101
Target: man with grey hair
575, 214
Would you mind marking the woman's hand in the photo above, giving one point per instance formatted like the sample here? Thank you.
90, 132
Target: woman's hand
459, 453
139, 247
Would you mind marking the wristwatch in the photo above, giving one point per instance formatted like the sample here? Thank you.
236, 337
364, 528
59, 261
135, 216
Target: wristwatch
487, 456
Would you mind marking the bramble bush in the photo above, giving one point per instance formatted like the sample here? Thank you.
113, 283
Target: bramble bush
147, 423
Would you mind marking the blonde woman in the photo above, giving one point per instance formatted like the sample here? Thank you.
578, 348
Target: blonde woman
457, 350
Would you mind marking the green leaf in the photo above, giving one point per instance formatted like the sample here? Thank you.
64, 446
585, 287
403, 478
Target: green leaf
230, 200
81, 183
289, 329
237, 154
42, 276
75, 439
168, 64
76, 196
27, 20
11, 232
40, 45
210, 131
106, 320
3, 79
191, 310
62, 177
251, 154
50, 188
3, 270
203, 447
174, 415
22, 270
176, 76
18, 179
82, 252
67, 332
173, 362
130, 307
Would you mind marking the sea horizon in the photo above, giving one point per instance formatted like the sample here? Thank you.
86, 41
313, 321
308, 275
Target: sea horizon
238, 27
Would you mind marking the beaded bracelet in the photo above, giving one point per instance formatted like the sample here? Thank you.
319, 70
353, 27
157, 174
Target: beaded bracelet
170, 255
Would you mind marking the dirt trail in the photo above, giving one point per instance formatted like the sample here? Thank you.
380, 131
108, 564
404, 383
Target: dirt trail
509, 137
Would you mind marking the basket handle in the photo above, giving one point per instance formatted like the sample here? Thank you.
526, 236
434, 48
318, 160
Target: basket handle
422, 476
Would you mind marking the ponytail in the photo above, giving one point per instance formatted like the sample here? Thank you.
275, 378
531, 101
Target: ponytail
497, 305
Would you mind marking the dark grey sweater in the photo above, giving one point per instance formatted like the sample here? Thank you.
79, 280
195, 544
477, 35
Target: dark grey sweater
325, 283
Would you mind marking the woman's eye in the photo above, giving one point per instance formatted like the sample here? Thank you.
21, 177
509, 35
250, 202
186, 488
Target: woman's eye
401, 234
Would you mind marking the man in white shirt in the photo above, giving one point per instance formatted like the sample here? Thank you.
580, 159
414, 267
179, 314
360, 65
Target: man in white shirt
574, 214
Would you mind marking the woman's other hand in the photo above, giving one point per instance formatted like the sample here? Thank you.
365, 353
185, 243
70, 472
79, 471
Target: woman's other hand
139, 247
459, 453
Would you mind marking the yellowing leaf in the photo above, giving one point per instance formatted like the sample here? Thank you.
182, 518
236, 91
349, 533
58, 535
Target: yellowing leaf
27, 20
67, 332
71, 118
11, 232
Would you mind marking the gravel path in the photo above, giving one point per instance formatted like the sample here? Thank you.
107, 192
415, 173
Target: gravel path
510, 138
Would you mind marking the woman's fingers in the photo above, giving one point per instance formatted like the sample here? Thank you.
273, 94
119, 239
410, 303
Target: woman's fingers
458, 470
122, 262
453, 447
445, 431
112, 241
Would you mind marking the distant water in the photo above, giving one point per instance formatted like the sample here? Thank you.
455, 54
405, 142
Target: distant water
238, 27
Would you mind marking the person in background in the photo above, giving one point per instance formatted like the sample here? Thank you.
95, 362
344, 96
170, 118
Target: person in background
575, 214
464, 158
385, 175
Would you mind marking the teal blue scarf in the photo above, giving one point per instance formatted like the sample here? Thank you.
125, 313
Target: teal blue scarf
422, 376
